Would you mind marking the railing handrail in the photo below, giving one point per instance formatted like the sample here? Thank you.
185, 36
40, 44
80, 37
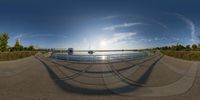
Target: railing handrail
108, 57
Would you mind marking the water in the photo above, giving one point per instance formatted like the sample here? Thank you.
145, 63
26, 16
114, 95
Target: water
101, 57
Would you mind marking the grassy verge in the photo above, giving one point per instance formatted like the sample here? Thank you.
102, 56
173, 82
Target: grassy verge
5, 56
187, 55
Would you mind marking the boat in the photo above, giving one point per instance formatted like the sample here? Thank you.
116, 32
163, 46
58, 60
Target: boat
70, 51
90, 52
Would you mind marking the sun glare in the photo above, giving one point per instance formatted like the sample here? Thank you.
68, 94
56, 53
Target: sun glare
103, 57
103, 43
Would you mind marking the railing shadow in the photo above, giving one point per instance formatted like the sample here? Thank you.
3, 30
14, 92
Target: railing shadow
139, 83
88, 91
143, 79
72, 88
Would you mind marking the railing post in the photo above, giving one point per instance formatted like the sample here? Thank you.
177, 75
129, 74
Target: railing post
122, 57
67, 57
132, 56
93, 58
109, 58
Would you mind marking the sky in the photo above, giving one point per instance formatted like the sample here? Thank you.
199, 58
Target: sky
100, 24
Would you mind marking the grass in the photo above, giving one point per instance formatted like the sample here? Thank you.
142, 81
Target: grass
187, 55
5, 56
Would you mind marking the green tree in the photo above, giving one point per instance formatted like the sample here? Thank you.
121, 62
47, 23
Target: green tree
31, 48
199, 46
18, 46
4, 41
187, 47
199, 43
194, 46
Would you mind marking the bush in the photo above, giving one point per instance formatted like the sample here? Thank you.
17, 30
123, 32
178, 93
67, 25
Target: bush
15, 55
187, 55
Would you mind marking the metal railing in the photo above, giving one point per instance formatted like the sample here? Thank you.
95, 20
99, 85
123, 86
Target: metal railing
101, 58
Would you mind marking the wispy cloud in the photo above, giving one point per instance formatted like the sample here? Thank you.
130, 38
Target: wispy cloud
152, 20
27, 35
110, 17
40, 35
159, 23
119, 37
118, 41
121, 26
190, 24
145, 40
18, 36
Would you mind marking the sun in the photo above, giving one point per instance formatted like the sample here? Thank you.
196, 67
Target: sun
103, 43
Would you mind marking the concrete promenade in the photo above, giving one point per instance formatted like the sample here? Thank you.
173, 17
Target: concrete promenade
157, 77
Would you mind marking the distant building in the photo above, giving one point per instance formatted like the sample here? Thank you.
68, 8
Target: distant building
70, 51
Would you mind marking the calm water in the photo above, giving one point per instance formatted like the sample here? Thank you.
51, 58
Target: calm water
101, 57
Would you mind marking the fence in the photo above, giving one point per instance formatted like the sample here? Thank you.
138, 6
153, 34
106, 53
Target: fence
101, 58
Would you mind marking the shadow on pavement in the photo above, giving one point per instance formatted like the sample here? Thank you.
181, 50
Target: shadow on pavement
87, 91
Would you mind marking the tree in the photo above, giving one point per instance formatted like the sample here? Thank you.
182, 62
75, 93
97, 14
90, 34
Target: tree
187, 47
179, 47
25, 48
31, 48
4, 41
199, 43
194, 46
18, 46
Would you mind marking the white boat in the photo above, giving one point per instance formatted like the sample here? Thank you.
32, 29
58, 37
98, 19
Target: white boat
90, 52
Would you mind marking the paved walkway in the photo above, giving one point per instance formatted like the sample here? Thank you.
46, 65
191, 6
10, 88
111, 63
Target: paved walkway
154, 78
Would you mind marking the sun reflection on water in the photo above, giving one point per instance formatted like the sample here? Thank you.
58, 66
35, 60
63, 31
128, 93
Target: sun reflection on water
103, 57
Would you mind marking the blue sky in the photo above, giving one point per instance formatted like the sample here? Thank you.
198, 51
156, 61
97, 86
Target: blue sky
100, 24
